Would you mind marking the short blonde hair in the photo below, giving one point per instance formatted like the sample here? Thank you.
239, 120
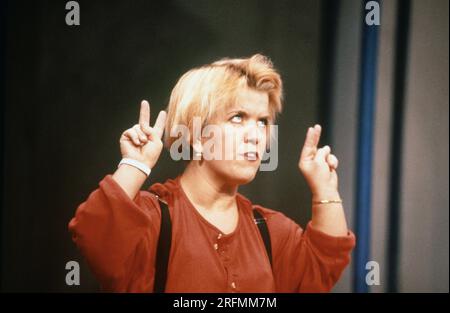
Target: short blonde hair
203, 91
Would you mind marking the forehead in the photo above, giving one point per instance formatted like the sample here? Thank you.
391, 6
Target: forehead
252, 101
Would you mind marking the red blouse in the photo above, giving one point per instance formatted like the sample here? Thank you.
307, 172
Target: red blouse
118, 237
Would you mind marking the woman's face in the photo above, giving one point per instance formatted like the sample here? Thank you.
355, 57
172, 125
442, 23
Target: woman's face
242, 139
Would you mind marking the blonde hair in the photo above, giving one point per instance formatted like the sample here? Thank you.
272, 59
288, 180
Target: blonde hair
203, 91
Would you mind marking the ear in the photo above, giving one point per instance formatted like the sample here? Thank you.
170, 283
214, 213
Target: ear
197, 148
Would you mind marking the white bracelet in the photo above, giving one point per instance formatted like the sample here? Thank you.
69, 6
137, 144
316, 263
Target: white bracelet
139, 165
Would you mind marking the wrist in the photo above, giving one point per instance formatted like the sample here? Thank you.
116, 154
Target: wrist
324, 194
141, 160
129, 172
138, 165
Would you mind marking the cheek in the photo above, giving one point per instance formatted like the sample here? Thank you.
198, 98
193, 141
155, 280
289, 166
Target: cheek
264, 139
231, 140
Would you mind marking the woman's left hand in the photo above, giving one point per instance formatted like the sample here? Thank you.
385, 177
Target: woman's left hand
318, 166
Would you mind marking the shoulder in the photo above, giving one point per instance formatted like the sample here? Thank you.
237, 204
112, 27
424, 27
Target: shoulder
278, 223
167, 190
283, 230
276, 220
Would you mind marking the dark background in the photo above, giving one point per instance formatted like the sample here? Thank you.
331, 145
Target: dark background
72, 90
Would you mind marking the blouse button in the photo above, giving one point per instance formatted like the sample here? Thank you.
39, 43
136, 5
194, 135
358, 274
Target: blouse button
233, 285
216, 246
220, 236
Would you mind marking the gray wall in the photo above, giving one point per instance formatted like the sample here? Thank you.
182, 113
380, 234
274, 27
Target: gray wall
345, 111
382, 141
425, 205
424, 247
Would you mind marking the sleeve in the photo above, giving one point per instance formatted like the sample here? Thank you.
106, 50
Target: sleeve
310, 260
117, 236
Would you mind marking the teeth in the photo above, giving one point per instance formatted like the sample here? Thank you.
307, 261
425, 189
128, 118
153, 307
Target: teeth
251, 155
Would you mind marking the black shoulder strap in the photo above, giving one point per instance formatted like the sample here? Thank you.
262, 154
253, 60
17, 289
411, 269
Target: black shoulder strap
260, 221
163, 249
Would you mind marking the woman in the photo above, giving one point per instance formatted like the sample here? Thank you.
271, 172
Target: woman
216, 246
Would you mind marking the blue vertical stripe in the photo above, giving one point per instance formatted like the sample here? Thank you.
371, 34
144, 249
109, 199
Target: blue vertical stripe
366, 119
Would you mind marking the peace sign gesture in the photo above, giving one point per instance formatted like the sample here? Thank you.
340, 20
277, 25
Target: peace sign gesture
142, 142
318, 166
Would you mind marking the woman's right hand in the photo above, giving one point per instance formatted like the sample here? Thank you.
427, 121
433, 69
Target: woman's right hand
142, 142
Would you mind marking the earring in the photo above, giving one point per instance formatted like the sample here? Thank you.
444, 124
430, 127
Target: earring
197, 148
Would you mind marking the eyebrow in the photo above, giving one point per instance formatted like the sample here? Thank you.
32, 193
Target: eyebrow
244, 112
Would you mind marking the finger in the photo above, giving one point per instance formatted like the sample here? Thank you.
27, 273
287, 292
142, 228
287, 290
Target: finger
333, 175
142, 136
311, 142
316, 132
308, 149
147, 130
322, 154
144, 115
333, 161
160, 124
131, 133
141, 143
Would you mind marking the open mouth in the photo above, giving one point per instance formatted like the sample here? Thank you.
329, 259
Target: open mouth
250, 156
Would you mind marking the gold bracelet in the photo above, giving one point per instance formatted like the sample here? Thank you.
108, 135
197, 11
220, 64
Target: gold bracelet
327, 201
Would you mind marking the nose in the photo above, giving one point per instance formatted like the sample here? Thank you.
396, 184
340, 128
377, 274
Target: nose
252, 134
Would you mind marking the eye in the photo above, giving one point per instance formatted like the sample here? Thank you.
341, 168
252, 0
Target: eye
263, 122
237, 118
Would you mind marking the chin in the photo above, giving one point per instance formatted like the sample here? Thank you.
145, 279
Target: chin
235, 172
241, 176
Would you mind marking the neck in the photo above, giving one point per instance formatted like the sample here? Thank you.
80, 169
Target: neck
206, 190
